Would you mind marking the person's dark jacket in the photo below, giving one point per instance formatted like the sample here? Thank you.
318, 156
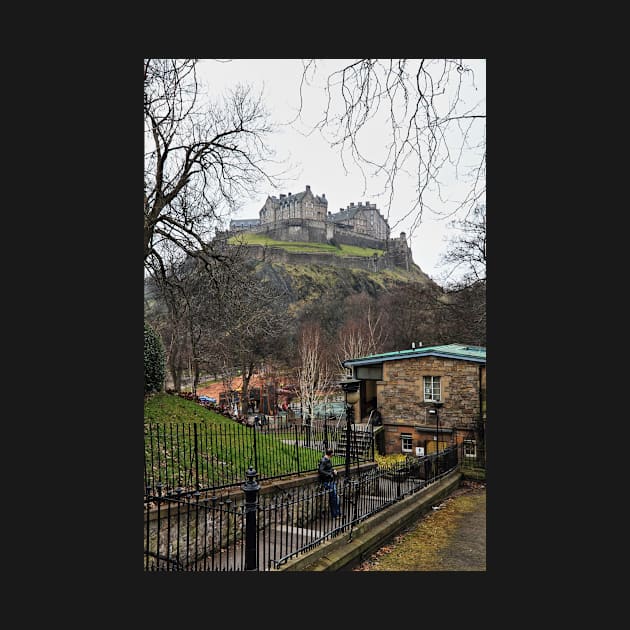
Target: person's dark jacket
325, 469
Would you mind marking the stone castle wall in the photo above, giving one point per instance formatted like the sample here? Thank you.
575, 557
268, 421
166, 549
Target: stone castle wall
277, 254
304, 217
308, 231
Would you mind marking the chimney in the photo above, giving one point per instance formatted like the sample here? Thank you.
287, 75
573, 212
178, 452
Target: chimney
323, 195
413, 345
307, 188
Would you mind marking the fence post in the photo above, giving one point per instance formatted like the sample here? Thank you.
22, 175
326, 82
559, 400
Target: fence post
372, 436
251, 488
255, 450
357, 486
197, 483
297, 449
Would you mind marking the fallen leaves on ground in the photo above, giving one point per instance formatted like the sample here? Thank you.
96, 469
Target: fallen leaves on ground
420, 547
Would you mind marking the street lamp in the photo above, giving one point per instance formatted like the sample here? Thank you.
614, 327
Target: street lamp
436, 411
350, 387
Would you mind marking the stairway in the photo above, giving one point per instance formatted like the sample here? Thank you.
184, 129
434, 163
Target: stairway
360, 440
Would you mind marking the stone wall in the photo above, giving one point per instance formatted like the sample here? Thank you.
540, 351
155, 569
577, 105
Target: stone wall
302, 230
278, 254
348, 237
400, 397
192, 530
309, 231
345, 551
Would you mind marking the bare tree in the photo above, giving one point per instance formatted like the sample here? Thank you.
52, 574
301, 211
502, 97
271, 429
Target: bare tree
363, 332
166, 312
413, 313
435, 121
248, 316
216, 315
466, 250
315, 379
465, 300
200, 158
228, 374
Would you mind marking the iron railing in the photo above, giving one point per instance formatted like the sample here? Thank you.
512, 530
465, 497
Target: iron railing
204, 531
473, 458
206, 456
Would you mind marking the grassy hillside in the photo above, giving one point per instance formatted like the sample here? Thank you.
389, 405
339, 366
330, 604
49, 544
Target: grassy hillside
309, 284
214, 456
166, 408
298, 246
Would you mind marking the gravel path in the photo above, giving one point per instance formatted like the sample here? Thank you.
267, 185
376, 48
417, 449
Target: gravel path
449, 538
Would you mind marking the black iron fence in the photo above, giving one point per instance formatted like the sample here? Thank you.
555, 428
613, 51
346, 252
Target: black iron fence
206, 456
473, 455
208, 531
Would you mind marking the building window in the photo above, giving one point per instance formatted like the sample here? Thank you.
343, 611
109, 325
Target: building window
432, 390
406, 442
470, 448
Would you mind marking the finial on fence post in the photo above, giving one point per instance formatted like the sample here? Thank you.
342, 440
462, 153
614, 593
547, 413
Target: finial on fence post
251, 488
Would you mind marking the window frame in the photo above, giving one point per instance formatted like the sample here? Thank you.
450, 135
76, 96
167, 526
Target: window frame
433, 381
404, 438
469, 444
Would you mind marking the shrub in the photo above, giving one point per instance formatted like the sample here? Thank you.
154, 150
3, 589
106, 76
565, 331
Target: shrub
154, 365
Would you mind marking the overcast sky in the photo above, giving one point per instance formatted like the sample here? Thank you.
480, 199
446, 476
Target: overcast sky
316, 164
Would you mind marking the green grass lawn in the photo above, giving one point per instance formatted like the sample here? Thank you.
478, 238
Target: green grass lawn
185, 443
299, 246
162, 407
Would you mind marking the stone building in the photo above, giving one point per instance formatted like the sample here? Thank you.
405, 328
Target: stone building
240, 225
362, 218
303, 205
304, 217
425, 395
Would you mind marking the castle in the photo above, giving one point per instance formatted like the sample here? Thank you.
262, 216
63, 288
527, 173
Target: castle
305, 217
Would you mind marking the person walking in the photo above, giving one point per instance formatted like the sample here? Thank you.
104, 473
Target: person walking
328, 476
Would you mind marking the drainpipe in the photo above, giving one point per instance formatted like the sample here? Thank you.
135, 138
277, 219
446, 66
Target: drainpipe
481, 402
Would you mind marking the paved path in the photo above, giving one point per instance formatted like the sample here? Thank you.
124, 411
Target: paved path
466, 549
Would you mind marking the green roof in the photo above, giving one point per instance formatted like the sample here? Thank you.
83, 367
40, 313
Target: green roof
449, 351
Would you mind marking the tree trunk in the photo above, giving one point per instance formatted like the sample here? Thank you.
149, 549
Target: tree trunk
176, 375
247, 375
245, 394
196, 373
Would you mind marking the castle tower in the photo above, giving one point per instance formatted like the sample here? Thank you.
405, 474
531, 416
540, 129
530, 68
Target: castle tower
304, 205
